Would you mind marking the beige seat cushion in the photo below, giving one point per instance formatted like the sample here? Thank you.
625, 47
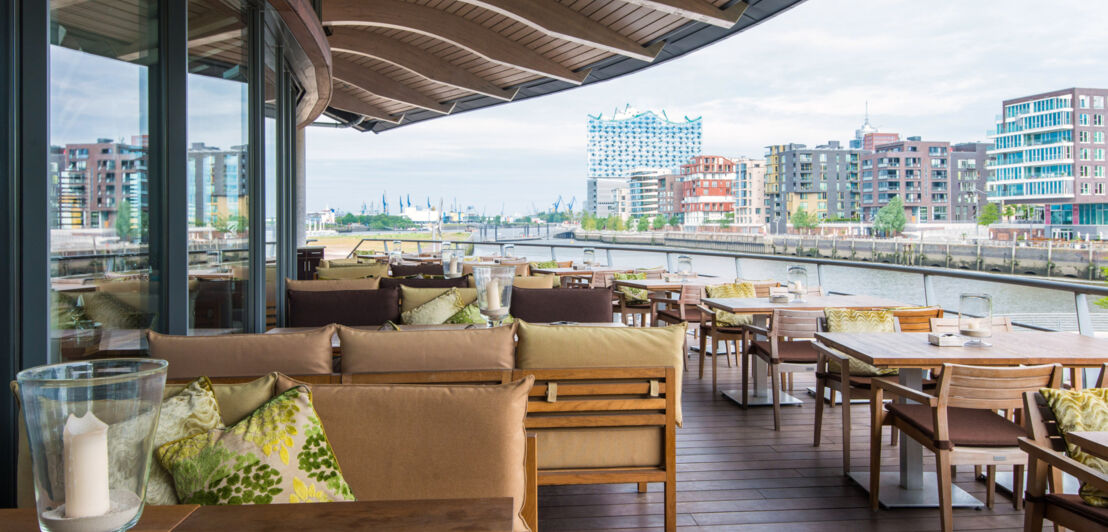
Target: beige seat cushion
234, 355
537, 281
412, 297
428, 442
383, 351
566, 346
332, 285
353, 272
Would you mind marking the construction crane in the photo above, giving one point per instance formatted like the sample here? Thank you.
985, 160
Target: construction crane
557, 203
569, 206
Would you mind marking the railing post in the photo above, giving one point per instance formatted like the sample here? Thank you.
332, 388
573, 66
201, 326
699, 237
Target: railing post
669, 262
1084, 319
610, 263
553, 256
929, 291
819, 277
738, 268
501, 250
386, 243
419, 247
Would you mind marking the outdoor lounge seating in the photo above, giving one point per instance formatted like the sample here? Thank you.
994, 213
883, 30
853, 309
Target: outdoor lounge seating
316, 308
426, 268
548, 306
959, 423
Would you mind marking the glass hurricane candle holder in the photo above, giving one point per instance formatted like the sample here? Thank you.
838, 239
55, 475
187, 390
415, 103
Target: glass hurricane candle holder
494, 291
509, 251
588, 257
90, 426
975, 318
798, 282
684, 267
451, 262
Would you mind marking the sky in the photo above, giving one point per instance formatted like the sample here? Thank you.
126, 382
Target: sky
936, 69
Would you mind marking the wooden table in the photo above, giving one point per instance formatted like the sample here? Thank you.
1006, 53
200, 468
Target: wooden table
489, 514
761, 305
582, 272
912, 354
1095, 443
665, 285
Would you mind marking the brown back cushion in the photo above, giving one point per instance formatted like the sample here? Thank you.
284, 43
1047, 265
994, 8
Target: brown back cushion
382, 351
402, 270
236, 355
370, 283
346, 307
537, 305
428, 442
390, 282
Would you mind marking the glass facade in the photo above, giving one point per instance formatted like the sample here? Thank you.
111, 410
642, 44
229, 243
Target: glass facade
631, 140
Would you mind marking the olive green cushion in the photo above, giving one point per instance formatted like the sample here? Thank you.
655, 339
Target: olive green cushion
192, 411
278, 454
544, 265
471, 314
1080, 411
412, 297
738, 290
633, 295
860, 321
435, 311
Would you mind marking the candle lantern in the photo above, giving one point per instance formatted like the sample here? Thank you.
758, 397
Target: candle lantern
588, 257
451, 262
975, 318
494, 291
798, 282
684, 267
509, 251
90, 426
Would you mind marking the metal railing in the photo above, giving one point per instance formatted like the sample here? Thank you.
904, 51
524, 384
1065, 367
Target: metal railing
1080, 291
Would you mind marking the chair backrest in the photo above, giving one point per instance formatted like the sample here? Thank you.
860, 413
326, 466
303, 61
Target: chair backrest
761, 288
816, 291
577, 281
796, 323
950, 325
993, 388
602, 279
522, 266
917, 319
652, 273
691, 295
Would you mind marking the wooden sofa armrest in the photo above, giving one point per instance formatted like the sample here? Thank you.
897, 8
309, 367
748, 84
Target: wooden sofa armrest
1065, 464
900, 390
530, 509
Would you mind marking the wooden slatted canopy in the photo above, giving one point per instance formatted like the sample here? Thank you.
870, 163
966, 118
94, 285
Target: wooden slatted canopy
402, 61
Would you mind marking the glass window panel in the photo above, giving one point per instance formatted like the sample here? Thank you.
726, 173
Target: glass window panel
218, 196
101, 53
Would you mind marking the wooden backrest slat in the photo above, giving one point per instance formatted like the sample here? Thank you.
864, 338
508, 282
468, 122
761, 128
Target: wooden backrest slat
950, 325
796, 323
595, 405
596, 421
584, 374
615, 388
691, 295
917, 319
761, 288
993, 388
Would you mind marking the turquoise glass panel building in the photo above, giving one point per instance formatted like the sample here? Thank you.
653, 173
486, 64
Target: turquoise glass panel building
630, 139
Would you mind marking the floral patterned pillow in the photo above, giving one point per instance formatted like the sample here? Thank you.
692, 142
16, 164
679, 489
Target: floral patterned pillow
278, 454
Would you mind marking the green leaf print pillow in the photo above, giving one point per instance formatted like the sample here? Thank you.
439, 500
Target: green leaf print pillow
278, 454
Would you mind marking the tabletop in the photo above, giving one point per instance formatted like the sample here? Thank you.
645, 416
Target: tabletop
666, 284
1095, 443
762, 305
581, 271
912, 350
489, 514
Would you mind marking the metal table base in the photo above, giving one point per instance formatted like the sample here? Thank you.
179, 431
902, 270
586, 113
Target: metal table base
927, 496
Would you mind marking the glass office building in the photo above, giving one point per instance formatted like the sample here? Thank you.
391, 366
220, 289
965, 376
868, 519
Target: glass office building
630, 139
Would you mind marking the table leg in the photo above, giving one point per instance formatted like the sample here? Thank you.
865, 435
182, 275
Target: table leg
911, 452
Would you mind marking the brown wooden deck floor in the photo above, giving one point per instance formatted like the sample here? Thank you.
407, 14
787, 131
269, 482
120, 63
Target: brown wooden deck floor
736, 473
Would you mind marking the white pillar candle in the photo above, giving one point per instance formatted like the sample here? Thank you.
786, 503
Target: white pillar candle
85, 455
455, 267
492, 295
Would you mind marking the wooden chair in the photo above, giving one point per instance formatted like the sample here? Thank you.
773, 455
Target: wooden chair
1047, 460
950, 325
626, 308
711, 333
917, 319
788, 347
651, 273
683, 308
577, 280
761, 288
959, 423
845, 385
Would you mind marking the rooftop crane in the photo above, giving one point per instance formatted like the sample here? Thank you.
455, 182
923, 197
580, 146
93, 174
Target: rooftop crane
557, 203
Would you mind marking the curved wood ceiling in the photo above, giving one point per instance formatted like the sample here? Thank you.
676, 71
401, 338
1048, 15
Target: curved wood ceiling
400, 61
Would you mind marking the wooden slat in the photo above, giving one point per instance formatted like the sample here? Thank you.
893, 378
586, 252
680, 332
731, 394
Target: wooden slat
341, 99
632, 420
608, 476
698, 10
384, 86
446, 27
569, 389
591, 373
594, 405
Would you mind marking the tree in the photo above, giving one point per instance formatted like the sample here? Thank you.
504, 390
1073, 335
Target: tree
674, 221
348, 218
588, 222
802, 220
989, 215
1009, 212
727, 219
642, 224
659, 223
891, 218
124, 222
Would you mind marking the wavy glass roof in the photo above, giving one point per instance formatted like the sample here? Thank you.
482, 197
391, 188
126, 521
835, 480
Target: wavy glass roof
402, 61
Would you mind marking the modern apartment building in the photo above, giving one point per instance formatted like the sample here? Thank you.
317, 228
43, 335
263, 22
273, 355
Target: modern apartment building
1049, 149
705, 189
91, 180
969, 174
630, 139
601, 195
923, 174
749, 192
821, 180
216, 183
643, 189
